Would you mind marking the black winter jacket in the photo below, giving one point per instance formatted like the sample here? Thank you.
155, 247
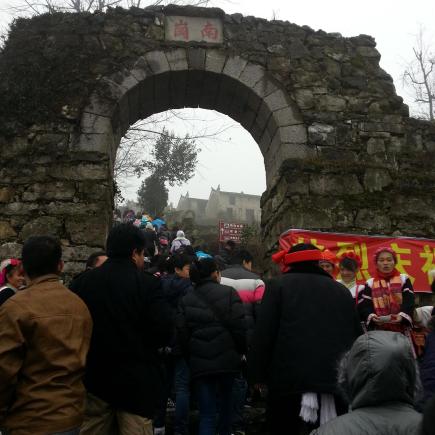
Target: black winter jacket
380, 380
131, 321
306, 322
213, 338
175, 288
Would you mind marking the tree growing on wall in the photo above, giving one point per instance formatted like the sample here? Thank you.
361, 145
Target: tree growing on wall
419, 76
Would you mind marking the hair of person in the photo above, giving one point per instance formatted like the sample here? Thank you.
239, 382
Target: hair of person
92, 259
349, 264
230, 243
41, 256
241, 256
123, 240
202, 269
385, 249
305, 264
302, 247
181, 260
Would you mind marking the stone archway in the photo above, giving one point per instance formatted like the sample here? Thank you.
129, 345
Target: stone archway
336, 139
197, 77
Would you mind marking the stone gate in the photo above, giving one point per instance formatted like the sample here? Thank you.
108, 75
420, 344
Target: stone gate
340, 150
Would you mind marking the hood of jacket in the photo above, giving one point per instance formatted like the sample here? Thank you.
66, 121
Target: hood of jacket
174, 287
380, 368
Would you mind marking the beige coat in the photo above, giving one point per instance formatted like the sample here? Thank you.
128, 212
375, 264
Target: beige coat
45, 332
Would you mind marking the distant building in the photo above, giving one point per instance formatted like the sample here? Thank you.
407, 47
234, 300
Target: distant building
227, 206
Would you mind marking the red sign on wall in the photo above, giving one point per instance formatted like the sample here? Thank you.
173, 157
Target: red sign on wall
415, 256
230, 231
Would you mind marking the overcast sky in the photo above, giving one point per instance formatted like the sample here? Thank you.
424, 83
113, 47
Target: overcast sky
234, 160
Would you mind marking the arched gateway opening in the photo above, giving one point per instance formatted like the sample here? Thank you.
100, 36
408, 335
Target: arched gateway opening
196, 77
336, 139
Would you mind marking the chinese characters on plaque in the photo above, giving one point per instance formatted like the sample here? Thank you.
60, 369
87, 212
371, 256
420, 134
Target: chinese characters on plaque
230, 231
193, 29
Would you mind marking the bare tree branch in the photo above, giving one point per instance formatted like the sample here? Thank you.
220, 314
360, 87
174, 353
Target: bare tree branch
419, 75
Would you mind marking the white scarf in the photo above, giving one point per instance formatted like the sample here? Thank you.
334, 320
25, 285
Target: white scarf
310, 408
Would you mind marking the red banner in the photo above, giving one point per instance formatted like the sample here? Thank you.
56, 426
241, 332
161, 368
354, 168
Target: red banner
230, 231
415, 257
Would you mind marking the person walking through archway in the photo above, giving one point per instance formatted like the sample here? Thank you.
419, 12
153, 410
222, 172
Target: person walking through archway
306, 322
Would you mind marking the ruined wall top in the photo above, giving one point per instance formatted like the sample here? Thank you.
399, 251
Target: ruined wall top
70, 53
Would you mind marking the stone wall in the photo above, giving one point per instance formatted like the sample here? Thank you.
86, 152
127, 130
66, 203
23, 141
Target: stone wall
340, 150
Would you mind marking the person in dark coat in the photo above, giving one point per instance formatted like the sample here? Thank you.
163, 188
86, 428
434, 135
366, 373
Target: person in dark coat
211, 324
131, 322
427, 366
175, 285
250, 288
306, 322
151, 241
379, 376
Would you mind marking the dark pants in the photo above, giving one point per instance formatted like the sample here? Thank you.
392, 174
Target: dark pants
182, 397
283, 416
214, 397
240, 390
160, 417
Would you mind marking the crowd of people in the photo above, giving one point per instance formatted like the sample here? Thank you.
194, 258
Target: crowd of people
153, 321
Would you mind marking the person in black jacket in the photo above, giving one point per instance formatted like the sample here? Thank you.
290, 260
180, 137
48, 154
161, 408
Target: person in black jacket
211, 325
175, 285
306, 322
131, 322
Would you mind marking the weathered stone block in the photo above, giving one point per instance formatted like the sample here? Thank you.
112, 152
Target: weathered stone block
58, 190
287, 116
234, 66
88, 230
376, 179
373, 220
19, 208
375, 145
6, 231
321, 134
370, 52
76, 253
42, 226
277, 100
215, 61
304, 98
328, 184
196, 58
264, 87
10, 250
252, 74
84, 171
6, 194
157, 61
331, 103
95, 124
293, 134
73, 268
177, 59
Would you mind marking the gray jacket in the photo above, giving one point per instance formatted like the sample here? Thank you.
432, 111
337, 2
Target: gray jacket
379, 376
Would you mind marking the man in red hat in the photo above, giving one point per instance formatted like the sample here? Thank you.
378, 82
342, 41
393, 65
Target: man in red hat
307, 321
